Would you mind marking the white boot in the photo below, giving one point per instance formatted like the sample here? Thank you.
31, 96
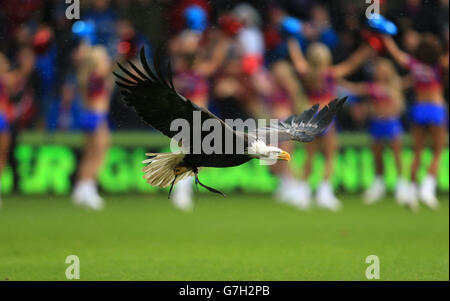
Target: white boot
427, 192
412, 197
284, 190
79, 192
375, 192
182, 195
301, 195
95, 201
326, 198
401, 191
85, 194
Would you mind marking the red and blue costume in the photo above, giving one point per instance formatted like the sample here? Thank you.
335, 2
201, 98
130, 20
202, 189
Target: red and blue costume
4, 125
92, 120
426, 78
383, 128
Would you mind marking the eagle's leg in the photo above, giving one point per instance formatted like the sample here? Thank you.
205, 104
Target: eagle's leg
176, 171
197, 181
171, 186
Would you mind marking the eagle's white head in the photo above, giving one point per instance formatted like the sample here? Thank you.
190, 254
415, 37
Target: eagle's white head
259, 149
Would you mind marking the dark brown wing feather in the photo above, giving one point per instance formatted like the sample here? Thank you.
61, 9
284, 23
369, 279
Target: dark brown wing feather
152, 94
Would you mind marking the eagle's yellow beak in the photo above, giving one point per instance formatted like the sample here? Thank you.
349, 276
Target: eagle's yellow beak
284, 156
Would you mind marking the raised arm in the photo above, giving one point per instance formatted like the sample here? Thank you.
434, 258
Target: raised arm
399, 55
296, 54
353, 62
209, 66
358, 88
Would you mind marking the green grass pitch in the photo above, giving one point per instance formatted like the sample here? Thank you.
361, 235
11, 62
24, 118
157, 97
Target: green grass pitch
241, 237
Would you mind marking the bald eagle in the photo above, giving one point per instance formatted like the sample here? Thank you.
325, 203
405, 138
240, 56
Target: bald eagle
151, 92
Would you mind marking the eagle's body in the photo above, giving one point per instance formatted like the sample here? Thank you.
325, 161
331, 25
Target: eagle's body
151, 92
213, 160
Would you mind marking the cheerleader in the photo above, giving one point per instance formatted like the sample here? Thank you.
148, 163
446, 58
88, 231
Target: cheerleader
386, 105
285, 93
196, 57
93, 77
5, 136
10, 80
428, 114
319, 78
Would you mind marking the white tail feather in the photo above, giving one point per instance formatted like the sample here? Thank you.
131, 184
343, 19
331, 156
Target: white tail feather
160, 169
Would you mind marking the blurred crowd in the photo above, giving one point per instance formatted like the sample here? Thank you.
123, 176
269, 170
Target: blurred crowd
228, 55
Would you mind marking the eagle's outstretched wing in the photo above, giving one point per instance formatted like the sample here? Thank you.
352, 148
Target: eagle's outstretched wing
304, 127
152, 94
